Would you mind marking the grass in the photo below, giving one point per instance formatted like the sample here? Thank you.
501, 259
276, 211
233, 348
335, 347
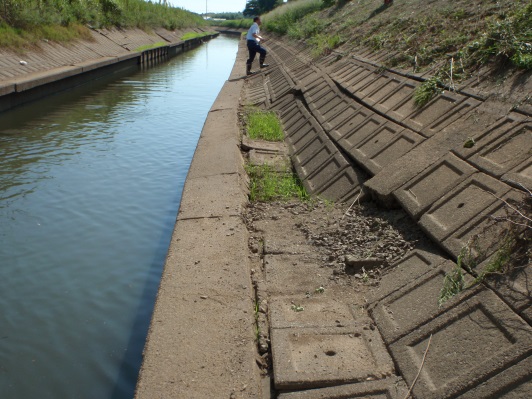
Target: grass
194, 35
267, 184
26, 22
263, 125
243, 23
284, 17
150, 46
427, 90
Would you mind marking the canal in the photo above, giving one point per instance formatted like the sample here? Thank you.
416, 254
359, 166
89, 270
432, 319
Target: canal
90, 184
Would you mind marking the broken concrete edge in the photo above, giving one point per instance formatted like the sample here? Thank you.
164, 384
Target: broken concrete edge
195, 345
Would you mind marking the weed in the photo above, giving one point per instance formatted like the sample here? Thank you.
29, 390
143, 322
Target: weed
263, 125
427, 90
150, 46
194, 35
297, 308
453, 283
267, 184
320, 290
324, 44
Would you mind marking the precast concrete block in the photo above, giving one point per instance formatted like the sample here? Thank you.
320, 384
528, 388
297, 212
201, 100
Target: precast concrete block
520, 176
41, 78
305, 132
292, 274
324, 112
469, 343
421, 192
502, 155
357, 87
6, 88
387, 144
485, 137
381, 88
364, 89
412, 266
345, 186
95, 64
326, 174
461, 204
312, 310
398, 103
319, 357
512, 383
415, 304
513, 287
441, 105
338, 119
353, 133
389, 388
350, 75
339, 68
483, 234
313, 154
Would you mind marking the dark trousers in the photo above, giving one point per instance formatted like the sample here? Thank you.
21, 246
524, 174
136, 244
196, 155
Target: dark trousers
254, 48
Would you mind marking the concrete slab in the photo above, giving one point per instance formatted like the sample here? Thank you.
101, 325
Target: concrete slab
389, 388
398, 104
319, 357
95, 64
213, 197
420, 193
415, 304
315, 153
327, 309
205, 283
275, 160
344, 120
355, 133
483, 233
6, 88
520, 176
470, 343
512, 383
414, 265
458, 207
290, 274
385, 145
377, 92
346, 186
505, 153
30, 81
330, 169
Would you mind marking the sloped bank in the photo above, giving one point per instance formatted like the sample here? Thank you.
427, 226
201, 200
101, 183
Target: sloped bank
54, 67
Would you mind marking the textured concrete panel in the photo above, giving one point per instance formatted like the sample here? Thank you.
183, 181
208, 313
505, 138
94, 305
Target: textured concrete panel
414, 304
501, 155
483, 233
344, 186
398, 104
328, 110
520, 176
355, 133
342, 117
470, 343
420, 193
390, 388
459, 206
513, 383
289, 274
377, 92
441, 105
319, 310
393, 150
327, 173
299, 135
319, 357
372, 144
414, 265
316, 152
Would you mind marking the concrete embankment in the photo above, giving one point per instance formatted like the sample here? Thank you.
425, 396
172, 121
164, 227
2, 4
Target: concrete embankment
52, 67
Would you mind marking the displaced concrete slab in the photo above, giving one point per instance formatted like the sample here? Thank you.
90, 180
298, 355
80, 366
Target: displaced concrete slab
398, 104
420, 193
290, 274
275, 160
354, 134
414, 265
318, 357
470, 343
389, 388
321, 306
415, 304
512, 383
464, 202
315, 152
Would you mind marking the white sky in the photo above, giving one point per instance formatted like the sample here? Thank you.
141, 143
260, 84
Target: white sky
198, 6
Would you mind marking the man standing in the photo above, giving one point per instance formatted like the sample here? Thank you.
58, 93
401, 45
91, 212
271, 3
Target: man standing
254, 47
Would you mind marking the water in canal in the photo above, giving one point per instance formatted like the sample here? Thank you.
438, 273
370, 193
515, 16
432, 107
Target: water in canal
90, 183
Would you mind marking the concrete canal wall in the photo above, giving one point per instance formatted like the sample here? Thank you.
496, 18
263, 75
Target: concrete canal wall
52, 67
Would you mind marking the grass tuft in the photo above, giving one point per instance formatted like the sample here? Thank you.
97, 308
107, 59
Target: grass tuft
267, 184
263, 125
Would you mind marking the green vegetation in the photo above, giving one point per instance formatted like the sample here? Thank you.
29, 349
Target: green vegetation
263, 125
194, 35
282, 18
150, 46
427, 91
268, 184
234, 24
25, 22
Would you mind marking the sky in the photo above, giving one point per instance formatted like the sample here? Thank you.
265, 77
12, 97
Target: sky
199, 6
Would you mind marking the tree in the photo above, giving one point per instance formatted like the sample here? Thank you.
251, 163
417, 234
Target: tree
258, 7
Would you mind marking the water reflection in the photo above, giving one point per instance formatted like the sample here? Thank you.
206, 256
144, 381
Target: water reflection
90, 182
